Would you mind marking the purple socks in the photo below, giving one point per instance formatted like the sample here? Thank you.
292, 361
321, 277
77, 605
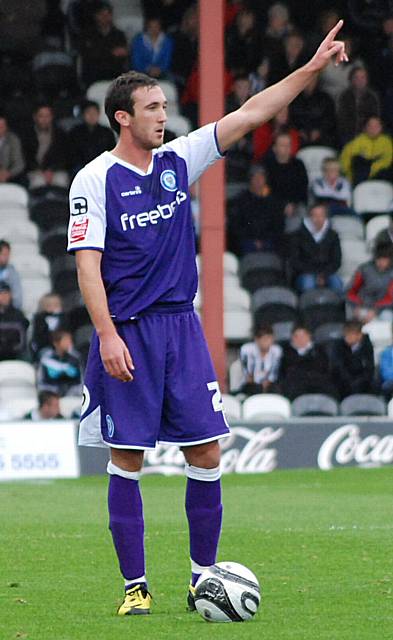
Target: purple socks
126, 525
204, 513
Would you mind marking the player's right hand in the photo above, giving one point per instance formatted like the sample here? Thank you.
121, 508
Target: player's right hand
116, 358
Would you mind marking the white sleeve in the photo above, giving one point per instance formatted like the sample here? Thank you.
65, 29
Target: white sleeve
199, 150
87, 224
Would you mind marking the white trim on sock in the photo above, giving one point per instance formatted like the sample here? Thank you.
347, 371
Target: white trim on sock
197, 568
129, 583
114, 470
205, 475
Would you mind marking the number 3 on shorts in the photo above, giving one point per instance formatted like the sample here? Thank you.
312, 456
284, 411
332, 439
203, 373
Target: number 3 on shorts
216, 397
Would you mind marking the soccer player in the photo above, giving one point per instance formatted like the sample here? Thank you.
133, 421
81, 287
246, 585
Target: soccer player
149, 377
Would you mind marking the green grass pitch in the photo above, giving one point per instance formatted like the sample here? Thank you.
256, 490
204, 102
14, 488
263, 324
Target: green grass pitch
319, 542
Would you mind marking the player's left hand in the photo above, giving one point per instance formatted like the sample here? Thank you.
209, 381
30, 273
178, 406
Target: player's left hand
328, 49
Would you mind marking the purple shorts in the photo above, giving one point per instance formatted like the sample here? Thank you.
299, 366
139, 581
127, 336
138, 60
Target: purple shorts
174, 397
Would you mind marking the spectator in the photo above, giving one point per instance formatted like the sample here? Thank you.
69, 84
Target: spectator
12, 163
48, 407
334, 79
243, 43
313, 114
386, 372
332, 189
278, 27
355, 105
369, 155
256, 217
259, 77
151, 51
239, 156
352, 360
371, 292
260, 361
170, 10
385, 236
263, 137
59, 367
315, 253
89, 139
13, 326
49, 317
185, 47
47, 151
288, 179
20, 26
103, 47
294, 54
304, 367
9, 274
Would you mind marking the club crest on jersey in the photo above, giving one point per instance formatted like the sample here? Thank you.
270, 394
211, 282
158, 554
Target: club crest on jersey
168, 180
110, 424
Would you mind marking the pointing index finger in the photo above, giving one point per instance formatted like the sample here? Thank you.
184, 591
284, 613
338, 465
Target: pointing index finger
332, 34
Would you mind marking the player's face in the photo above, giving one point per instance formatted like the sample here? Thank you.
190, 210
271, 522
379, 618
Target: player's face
147, 125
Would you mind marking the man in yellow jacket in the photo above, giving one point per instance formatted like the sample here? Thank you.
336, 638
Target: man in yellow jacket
368, 155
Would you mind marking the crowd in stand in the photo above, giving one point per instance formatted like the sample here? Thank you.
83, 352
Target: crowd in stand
49, 129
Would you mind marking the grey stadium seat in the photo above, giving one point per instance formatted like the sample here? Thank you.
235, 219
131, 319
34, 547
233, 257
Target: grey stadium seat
363, 404
314, 404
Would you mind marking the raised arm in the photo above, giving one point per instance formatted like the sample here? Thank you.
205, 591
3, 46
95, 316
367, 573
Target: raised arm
114, 353
264, 105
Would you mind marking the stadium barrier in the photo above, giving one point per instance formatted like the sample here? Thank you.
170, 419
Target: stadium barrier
49, 450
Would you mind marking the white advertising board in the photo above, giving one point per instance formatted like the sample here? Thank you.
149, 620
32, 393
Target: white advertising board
38, 450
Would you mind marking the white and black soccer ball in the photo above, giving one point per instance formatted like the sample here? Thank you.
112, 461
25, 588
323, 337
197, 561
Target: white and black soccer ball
227, 592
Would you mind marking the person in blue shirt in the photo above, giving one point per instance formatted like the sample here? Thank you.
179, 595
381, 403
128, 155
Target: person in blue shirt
151, 51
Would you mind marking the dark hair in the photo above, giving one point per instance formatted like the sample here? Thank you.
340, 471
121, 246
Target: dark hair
383, 250
263, 330
44, 396
4, 244
355, 70
119, 94
87, 104
352, 326
42, 105
319, 204
57, 335
301, 327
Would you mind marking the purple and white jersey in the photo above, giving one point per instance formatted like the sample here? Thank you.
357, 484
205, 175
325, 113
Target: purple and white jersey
142, 222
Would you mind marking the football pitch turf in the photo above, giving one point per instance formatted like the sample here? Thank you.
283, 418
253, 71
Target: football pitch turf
319, 542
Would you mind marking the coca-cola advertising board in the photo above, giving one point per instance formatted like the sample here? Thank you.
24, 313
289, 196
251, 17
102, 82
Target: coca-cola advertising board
298, 443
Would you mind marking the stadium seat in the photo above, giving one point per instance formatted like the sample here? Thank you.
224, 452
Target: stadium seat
53, 72
170, 92
314, 404
373, 197
373, 227
180, 125
319, 306
328, 332
230, 263
283, 330
20, 228
236, 298
50, 213
354, 253
363, 404
312, 157
232, 408
53, 243
82, 335
235, 376
380, 334
258, 270
14, 195
348, 227
70, 405
17, 408
274, 304
33, 289
10, 392
266, 406
17, 372
31, 265
390, 408
237, 326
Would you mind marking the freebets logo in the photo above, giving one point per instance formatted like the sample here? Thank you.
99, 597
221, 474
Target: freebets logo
161, 212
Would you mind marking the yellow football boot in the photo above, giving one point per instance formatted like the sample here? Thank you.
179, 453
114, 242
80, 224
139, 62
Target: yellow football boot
136, 601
